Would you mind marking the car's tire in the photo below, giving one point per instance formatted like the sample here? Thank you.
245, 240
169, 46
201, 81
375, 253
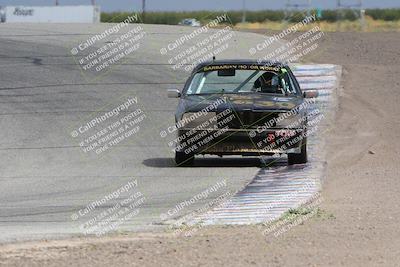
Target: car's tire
183, 159
300, 158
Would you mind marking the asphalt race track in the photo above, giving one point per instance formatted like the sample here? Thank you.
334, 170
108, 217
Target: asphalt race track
45, 176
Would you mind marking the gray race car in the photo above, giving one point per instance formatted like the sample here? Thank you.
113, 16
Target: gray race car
241, 107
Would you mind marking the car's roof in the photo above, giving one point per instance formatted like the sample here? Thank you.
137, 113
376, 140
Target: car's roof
240, 61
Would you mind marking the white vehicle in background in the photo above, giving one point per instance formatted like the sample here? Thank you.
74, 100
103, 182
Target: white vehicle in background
190, 22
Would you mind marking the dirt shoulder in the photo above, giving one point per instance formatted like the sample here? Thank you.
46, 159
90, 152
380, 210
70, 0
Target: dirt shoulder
357, 224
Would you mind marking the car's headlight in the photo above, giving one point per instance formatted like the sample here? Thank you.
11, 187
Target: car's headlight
195, 119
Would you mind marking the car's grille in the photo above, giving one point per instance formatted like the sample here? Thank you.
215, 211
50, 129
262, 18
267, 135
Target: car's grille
251, 119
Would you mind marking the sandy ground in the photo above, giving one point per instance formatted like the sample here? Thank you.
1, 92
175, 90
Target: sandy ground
357, 224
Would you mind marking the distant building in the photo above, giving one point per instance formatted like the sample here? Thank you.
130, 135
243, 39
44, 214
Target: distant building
50, 14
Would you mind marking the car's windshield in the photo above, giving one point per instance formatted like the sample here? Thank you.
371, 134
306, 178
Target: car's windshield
241, 81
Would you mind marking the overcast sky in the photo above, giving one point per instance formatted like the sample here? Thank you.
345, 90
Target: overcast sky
117, 5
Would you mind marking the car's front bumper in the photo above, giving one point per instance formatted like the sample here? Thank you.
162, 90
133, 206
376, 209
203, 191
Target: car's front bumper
241, 141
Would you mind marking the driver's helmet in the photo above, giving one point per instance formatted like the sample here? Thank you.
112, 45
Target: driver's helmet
268, 82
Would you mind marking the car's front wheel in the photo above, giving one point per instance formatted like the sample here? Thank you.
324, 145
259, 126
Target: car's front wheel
298, 158
183, 159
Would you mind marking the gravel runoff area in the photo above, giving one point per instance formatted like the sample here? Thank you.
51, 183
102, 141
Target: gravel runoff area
357, 223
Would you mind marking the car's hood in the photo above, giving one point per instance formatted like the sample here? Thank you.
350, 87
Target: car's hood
255, 102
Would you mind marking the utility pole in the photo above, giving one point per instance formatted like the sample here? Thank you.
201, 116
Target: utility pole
244, 12
294, 6
143, 10
357, 9
56, 2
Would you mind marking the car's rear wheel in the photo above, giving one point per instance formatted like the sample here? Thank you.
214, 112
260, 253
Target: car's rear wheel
183, 159
299, 158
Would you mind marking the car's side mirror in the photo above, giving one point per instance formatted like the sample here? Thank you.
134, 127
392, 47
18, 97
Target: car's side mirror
174, 93
310, 94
